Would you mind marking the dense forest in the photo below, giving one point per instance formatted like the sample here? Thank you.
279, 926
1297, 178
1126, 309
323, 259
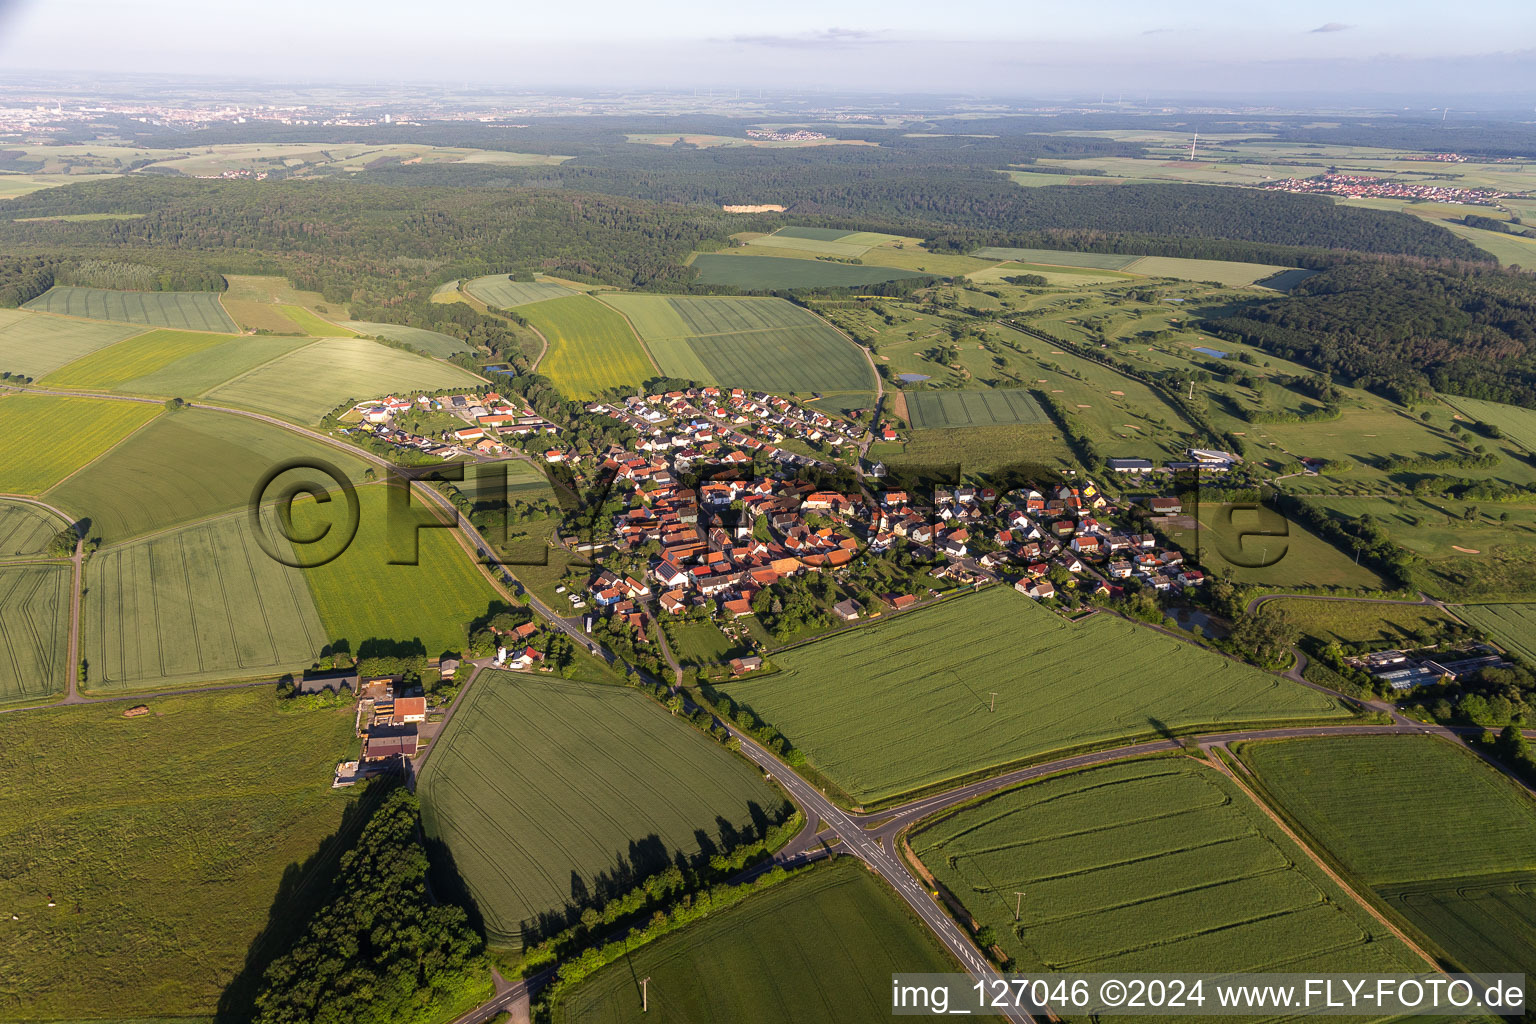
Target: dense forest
1402, 329
360, 242
381, 951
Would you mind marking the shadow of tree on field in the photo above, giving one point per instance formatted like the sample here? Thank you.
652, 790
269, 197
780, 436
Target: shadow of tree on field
303, 890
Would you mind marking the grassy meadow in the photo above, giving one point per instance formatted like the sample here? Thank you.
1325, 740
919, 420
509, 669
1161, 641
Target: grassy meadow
591, 347
1464, 874
1357, 622
49, 437
34, 630
202, 603
1155, 865
603, 785
154, 865
902, 704
1255, 544
35, 344
811, 948
305, 384
184, 311
185, 466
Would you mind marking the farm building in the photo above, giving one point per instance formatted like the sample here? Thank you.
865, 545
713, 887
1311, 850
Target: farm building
1130, 465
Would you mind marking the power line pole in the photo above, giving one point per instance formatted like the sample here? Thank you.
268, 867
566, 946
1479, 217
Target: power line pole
645, 1002
992, 704
1018, 906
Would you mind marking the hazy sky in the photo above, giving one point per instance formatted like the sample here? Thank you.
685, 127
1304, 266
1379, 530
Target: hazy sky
992, 46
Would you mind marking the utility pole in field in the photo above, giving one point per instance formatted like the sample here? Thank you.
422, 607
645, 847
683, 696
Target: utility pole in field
1018, 905
645, 1002
992, 704
1192, 145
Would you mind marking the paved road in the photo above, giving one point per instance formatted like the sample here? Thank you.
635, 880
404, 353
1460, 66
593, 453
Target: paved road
868, 848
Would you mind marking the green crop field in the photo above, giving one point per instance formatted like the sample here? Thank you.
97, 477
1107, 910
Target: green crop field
49, 437
1518, 424
205, 369
591, 348
816, 947
154, 864
1059, 257
602, 780
311, 323
753, 272
309, 382
972, 408
140, 356
501, 292
1462, 866
362, 597
185, 466
35, 344
200, 603
26, 529
34, 630
757, 343
186, 311
1513, 626
432, 343
814, 234
825, 241
1154, 865
1354, 622
903, 704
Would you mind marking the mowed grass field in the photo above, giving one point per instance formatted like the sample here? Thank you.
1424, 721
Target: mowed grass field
1228, 272
433, 343
196, 604
596, 780
1154, 865
309, 382
137, 357
361, 597
903, 704
816, 947
501, 292
758, 343
1256, 544
186, 311
1518, 424
591, 348
48, 437
187, 465
34, 630
1059, 257
1353, 622
154, 864
26, 529
754, 272
1461, 867
36, 344
1512, 626
927, 409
